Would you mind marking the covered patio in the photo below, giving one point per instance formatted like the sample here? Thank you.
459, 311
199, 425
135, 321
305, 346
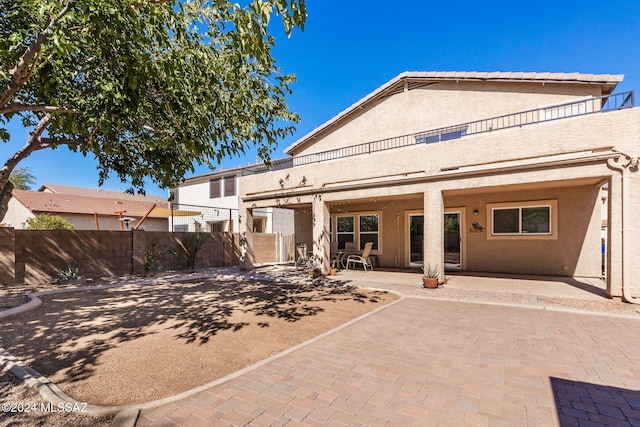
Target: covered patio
468, 284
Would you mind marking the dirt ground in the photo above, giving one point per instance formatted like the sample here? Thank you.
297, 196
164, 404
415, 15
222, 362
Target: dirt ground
134, 344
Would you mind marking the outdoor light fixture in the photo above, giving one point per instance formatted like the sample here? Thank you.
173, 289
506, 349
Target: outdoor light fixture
127, 221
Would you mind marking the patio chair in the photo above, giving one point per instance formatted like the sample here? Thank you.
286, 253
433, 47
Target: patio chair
302, 256
362, 259
350, 248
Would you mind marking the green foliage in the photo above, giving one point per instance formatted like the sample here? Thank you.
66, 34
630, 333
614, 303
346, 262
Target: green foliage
48, 222
451, 224
22, 178
69, 274
151, 255
192, 245
148, 87
431, 271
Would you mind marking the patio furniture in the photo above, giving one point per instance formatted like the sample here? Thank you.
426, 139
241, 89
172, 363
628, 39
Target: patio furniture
350, 248
335, 255
302, 255
362, 259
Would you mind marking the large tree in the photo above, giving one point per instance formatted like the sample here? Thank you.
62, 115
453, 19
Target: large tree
149, 87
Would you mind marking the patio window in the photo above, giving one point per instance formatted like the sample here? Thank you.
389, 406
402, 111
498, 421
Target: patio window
369, 229
359, 228
345, 230
523, 219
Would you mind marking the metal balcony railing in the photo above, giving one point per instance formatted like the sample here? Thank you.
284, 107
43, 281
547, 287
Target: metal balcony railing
601, 104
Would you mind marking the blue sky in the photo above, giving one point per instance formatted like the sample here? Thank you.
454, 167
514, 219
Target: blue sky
348, 49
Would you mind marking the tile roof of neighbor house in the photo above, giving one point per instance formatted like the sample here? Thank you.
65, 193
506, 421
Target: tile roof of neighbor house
607, 81
56, 203
93, 192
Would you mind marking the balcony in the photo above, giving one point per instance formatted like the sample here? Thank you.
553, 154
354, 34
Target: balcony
602, 104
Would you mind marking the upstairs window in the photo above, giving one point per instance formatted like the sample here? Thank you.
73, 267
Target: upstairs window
214, 188
230, 186
451, 133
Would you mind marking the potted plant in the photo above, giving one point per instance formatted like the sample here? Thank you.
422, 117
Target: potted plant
431, 275
314, 269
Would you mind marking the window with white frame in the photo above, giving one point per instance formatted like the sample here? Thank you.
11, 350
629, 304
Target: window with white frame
523, 219
345, 230
369, 229
359, 228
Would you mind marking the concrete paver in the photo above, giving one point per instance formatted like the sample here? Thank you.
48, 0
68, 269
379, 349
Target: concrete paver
433, 362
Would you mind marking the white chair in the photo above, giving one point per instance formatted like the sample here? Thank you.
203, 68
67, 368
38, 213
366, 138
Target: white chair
350, 248
362, 259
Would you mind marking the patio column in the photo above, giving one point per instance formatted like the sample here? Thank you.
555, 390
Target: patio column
321, 245
633, 228
614, 237
434, 228
245, 229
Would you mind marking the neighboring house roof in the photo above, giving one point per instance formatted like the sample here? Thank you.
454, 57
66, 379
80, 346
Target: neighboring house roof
57, 203
80, 191
608, 82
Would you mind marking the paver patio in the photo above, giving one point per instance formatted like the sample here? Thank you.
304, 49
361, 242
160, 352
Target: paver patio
430, 362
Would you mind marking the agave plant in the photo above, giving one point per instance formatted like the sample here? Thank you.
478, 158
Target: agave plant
431, 271
69, 274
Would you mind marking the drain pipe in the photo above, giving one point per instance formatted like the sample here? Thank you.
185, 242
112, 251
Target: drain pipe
624, 168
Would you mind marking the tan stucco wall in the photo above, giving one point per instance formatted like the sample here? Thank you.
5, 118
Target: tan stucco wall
496, 152
439, 105
575, 251
393, 222
303, 226
620, 129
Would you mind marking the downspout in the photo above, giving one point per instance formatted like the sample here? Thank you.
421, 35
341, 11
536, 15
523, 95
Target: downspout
632, 163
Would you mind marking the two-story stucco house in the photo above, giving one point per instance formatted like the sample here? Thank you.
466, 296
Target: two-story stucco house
214, 197
485, 172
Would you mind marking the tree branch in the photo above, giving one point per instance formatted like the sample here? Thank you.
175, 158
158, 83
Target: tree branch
23, 69
18, 106
47, 142
33, 144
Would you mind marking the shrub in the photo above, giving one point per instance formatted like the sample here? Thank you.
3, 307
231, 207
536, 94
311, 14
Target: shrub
48, 222
192, 245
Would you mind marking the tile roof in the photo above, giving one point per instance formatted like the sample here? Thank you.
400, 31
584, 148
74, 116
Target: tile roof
45, 202
93, 192
607, 81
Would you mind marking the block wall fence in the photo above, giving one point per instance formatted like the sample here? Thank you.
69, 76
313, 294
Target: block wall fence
34, 257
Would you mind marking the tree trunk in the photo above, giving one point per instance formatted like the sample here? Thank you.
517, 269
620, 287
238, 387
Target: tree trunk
5, 195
